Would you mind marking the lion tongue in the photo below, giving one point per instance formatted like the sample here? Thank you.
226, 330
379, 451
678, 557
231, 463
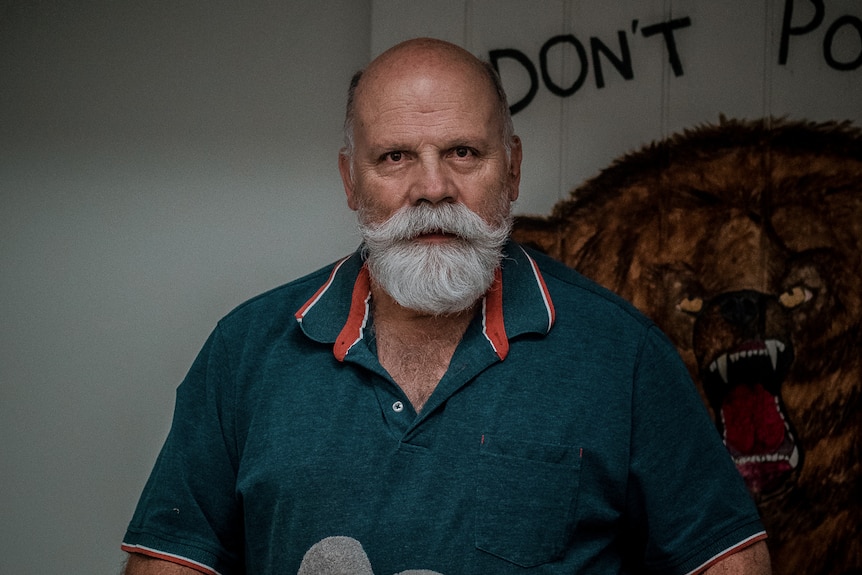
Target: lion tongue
753, 423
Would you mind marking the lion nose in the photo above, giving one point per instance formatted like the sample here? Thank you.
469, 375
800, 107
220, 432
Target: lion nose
742, 307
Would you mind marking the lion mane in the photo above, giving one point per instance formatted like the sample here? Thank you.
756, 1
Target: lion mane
742, 240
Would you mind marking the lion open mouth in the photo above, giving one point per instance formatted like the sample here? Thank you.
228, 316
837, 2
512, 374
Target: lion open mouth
750, 413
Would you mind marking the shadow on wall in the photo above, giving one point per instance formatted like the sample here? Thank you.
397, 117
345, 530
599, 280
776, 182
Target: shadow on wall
743, 242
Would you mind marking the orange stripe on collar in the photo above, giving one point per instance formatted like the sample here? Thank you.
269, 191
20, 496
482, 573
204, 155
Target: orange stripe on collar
300, 313
351, 333
492, 321
546, 295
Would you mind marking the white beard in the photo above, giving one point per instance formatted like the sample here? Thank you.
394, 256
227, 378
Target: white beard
434, 278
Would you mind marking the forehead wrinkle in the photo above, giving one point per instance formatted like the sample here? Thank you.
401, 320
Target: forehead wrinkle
422, 94
406, 117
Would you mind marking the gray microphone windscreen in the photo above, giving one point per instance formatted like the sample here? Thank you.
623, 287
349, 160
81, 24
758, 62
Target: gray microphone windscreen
336, 556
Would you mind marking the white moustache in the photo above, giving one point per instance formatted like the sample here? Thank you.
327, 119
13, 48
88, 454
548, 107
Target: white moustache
412, 221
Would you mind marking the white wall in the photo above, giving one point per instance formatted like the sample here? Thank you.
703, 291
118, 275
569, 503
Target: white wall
729, 54
160, 162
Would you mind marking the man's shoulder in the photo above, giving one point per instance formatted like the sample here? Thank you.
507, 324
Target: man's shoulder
568, 288
280, 303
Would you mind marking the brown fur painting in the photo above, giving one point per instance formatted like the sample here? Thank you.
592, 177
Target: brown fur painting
743, 241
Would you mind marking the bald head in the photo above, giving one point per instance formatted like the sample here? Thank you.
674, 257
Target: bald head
425, 58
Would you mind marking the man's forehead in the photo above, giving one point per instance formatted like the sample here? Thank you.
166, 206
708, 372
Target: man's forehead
445, 84
430, 93
398, 126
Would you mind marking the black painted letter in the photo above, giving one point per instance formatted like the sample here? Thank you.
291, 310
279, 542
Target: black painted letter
787, 30
623, 64
830, 35
666, 30
543, 64
521, 58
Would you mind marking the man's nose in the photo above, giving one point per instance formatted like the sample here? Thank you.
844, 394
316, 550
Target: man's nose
432, 183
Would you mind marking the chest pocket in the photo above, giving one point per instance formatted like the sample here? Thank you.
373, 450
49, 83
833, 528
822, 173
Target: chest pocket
526, 497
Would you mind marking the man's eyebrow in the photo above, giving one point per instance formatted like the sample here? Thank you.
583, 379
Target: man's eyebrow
381, 149
470, 141
476, 141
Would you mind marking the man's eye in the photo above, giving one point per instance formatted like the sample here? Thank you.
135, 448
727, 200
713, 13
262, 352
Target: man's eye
393, 156
463, 152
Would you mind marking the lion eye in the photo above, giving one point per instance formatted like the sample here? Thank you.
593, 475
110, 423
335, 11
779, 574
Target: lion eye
795, 297
690, 305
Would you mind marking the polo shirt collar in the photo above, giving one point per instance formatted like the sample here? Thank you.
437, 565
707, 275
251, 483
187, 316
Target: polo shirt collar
517, 303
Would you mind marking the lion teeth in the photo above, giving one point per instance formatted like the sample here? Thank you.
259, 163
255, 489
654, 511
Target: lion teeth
769, 457
734, 357
720, 364
773, 346
722, 367
794, 458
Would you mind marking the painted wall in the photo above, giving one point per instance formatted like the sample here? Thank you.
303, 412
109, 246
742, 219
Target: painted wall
725, 59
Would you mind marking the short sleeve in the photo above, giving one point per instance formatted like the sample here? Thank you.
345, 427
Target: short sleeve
688, 502
188, 512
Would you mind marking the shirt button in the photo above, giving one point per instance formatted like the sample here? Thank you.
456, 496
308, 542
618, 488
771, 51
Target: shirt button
397, 407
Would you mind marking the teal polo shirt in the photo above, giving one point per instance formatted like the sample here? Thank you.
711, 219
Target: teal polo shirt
565, 437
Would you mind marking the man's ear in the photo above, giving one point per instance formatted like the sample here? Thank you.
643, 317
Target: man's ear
514, 175
345, 170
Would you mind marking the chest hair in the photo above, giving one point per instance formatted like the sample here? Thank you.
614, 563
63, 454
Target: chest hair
417, 361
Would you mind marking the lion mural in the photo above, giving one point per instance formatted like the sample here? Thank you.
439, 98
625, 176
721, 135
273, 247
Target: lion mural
743, 242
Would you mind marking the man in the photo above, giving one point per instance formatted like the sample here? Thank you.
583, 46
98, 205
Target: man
441, 401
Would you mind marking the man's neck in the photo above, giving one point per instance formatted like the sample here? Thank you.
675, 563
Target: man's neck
415, 347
